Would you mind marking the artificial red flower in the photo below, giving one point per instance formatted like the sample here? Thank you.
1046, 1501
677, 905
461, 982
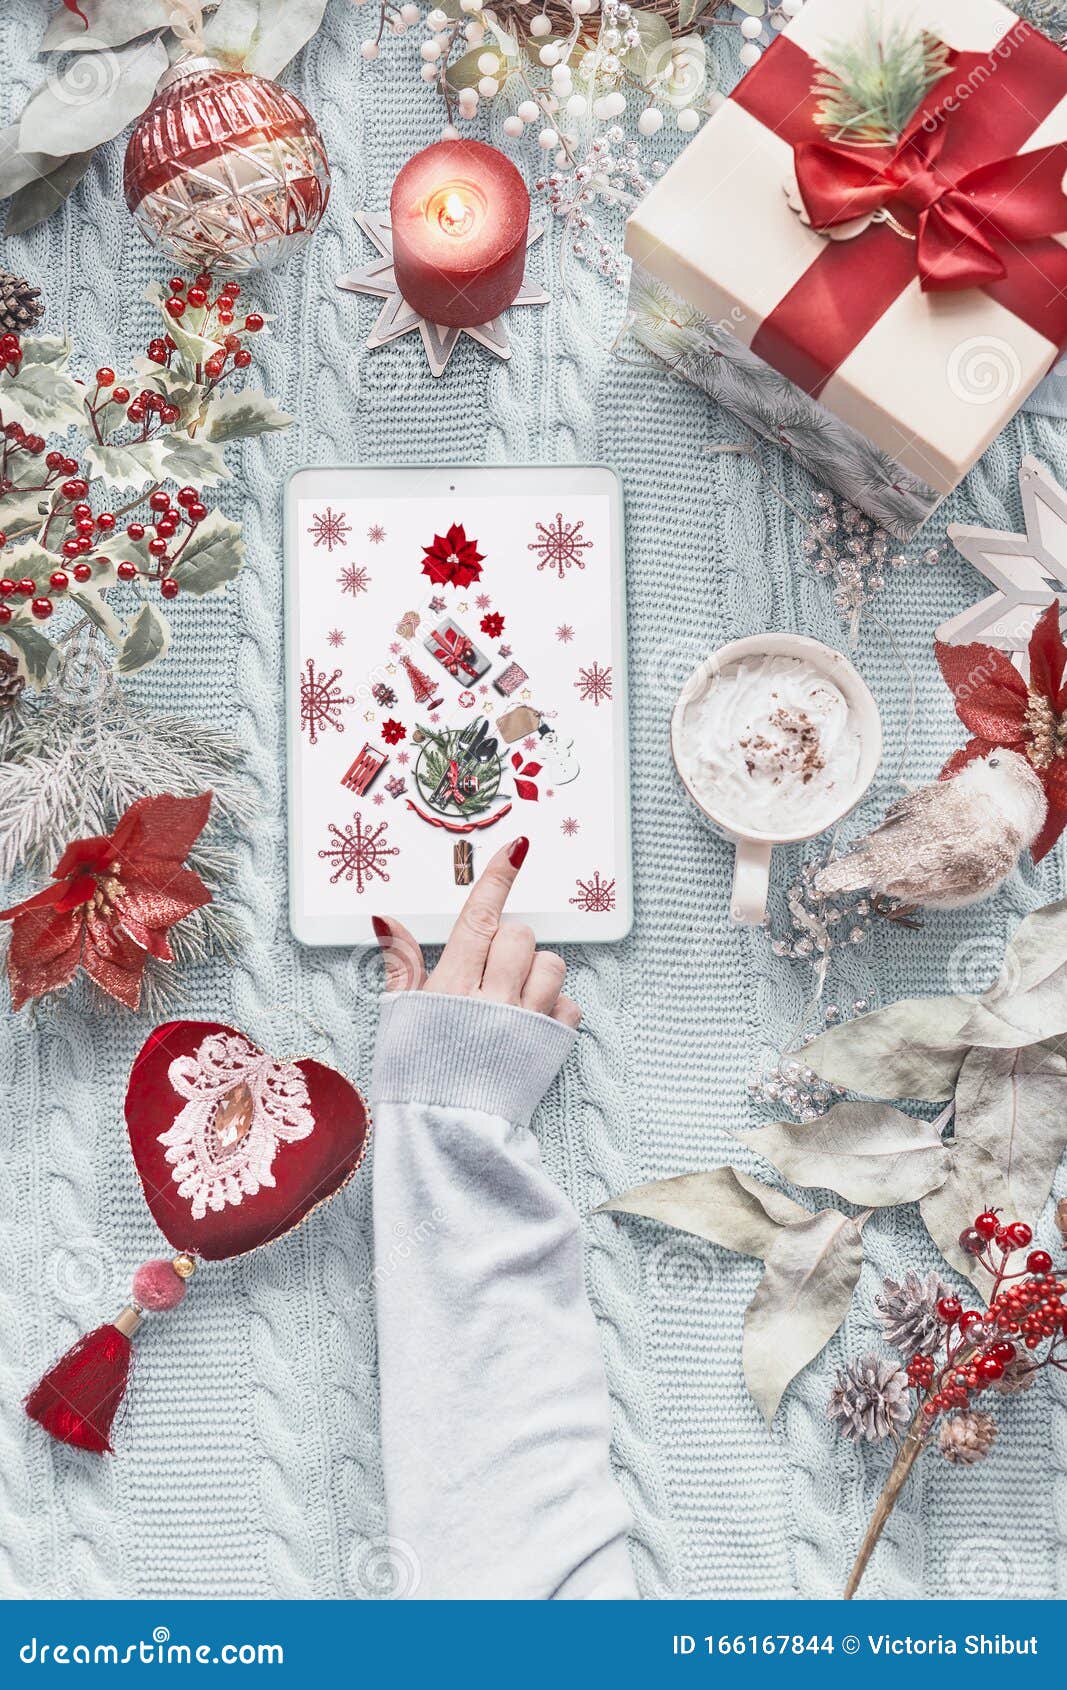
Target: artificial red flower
493, 624
452, 559
393, 732
1001, 708
111, 903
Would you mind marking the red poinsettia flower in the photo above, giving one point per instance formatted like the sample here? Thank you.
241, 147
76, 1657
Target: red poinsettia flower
493, 624
111, 904
452, 559
1001, 708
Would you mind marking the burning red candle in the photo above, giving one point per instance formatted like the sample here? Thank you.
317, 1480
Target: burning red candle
460, 213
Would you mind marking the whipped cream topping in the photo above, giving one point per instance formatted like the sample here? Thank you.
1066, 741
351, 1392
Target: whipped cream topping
770, 746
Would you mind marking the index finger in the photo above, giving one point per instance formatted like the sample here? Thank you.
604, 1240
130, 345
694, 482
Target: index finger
463, 958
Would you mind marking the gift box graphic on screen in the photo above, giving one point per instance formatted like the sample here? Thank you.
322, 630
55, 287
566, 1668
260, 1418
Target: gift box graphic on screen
876, 285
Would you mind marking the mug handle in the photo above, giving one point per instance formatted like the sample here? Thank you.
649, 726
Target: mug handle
752, 878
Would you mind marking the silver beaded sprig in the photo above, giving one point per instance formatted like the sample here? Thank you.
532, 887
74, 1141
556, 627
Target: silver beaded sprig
855, 553
819, 925
790, 1084
611, 175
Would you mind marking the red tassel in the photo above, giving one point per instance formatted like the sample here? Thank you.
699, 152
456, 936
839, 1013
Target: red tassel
78, 1398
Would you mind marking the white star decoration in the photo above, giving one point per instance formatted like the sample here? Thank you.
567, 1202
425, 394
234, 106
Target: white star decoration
397, 317
1026, 569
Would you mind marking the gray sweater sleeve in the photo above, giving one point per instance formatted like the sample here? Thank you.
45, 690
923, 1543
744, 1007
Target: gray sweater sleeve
495, 1413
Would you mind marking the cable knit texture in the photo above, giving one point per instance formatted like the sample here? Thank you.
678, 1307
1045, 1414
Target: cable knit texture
252, 1420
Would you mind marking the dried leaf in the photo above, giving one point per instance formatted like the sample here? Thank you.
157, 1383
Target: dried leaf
95, 97
1036, 949
16, 167
211, 558
1020, 1018
727, 1207
238, 416
147, 641
800, 1302
911, 1049
262, 35
40, 198
974, 1183
869, 1153
1013, 1105
110, 24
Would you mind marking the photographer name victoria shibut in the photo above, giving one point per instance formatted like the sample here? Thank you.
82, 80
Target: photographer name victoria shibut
975, 1643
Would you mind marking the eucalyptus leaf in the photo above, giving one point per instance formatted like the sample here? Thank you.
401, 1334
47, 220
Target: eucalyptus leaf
92, 604
235, 416
39, 199
465, 71
147, 641
211, 558
262, 36
804, 1295
690, 10
910, 1049
42, 397
1013, 1105
869, 1153
727, 1207
37, 656
196, 461
111, 24
94, 98
122, 467
974, 1184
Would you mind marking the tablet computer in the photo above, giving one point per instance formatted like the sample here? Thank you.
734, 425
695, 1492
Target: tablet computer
456, 677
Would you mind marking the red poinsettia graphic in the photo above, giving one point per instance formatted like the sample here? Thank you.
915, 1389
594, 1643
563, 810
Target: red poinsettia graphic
525, 788
1001, 708
111, 903
452, 559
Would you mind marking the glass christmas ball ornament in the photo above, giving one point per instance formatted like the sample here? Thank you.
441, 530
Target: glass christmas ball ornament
225, 171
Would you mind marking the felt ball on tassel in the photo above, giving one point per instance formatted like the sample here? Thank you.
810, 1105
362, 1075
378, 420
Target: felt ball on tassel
158, 1286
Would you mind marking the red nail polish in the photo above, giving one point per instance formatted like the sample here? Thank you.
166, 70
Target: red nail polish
517, 854
382, 931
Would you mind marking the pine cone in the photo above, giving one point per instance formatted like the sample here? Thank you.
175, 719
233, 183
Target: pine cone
908, 1312
20, 305
967, 1438
11, 682
869, 1399
1017, 1376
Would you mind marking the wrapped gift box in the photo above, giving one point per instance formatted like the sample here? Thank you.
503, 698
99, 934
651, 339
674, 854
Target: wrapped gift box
888, 346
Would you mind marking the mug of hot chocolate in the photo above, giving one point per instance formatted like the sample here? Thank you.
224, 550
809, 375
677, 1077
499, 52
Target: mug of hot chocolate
774, 738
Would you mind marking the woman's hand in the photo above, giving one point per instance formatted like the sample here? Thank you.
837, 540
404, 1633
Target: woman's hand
483, 959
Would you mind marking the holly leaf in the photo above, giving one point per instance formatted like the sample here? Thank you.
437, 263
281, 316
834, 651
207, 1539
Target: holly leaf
211, 558
193, 349
45, 193
42, 396
1012, 1104
110, 25
974, 1184
37, 656
147, 641
729, 1208
92, 100
869, 1153
262, 36
92, 604
20, 513
28, 558
122, 467
911, 1049
239, 416
51, 350
810, 1274
196, 461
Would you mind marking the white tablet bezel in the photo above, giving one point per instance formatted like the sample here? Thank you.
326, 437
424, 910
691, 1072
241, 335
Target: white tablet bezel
384, 481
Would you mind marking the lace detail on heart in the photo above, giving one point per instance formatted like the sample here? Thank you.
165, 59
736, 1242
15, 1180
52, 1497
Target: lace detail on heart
243, 1105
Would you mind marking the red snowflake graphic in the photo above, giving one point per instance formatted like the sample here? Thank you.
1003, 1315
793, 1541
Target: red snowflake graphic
560, 545
335, 637
595, 896
393, 732
452, 559
483, 601
329, 528
569, 826
321, 700
594, 684
358, 853
375, 533
564, 633
493, 625
353, 579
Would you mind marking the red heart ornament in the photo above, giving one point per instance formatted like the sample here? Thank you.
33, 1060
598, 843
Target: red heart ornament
233, 1147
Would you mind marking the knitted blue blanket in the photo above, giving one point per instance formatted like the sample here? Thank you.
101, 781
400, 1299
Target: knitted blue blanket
249, 1456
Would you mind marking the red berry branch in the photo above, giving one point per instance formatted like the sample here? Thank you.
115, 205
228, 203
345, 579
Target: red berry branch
1023, 1330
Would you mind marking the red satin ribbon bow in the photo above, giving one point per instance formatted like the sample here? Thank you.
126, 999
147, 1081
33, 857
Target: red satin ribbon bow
455, 651
460, 785
1009, 200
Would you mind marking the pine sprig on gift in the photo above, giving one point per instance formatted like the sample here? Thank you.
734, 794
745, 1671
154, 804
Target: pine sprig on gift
869, 89
441, 749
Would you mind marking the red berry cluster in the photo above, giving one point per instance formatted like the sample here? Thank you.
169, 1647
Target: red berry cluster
147, 410
218, 317
979, 1347
10, 352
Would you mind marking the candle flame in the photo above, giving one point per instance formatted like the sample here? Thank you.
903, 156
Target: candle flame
455, 213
